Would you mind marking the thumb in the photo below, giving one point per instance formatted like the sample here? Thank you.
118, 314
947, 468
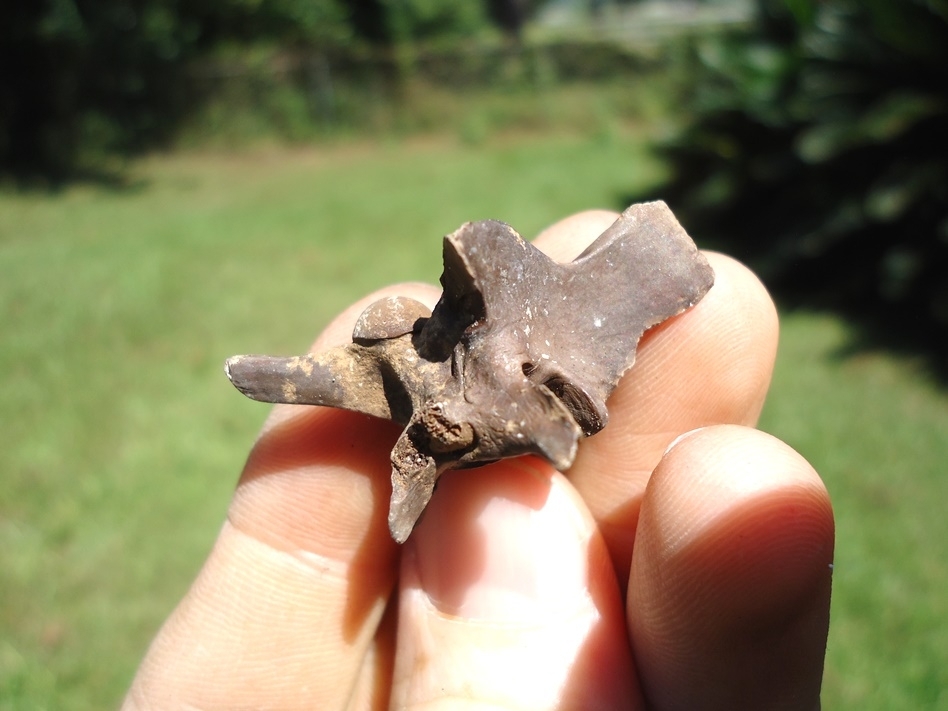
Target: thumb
508, 599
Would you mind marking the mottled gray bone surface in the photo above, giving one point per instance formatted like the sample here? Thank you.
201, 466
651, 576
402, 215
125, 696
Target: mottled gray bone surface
518, 356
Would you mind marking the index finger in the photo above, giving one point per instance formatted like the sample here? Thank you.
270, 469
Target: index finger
710, 365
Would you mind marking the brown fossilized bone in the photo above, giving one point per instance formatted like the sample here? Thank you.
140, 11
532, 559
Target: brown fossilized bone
518, 356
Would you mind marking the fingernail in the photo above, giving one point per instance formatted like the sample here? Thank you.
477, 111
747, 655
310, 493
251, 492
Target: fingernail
681, 438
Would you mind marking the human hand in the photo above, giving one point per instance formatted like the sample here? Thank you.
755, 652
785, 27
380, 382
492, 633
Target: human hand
695, 578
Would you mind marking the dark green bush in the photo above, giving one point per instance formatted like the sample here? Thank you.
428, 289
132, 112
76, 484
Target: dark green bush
817, 152
85, 80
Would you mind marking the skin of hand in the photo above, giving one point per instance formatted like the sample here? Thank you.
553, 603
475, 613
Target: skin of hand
684, 561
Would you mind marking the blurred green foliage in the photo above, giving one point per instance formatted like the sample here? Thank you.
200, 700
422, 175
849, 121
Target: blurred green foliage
816, 151
267, 93
83, 80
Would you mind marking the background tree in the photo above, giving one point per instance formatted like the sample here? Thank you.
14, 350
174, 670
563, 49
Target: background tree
816, 151
82, 78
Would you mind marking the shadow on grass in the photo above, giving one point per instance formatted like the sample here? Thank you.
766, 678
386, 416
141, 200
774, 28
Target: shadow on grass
875, 328
111, 179
841, 281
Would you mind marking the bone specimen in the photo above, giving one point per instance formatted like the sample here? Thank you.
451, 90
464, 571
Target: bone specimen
518, 356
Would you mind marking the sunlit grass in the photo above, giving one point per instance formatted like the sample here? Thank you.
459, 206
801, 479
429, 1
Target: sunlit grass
877, 430
122, 439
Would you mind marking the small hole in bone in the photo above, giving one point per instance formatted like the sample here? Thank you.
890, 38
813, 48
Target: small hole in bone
528, 369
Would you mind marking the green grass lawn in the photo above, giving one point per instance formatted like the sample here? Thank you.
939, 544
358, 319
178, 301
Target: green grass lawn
122, 439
